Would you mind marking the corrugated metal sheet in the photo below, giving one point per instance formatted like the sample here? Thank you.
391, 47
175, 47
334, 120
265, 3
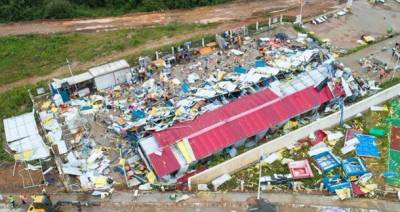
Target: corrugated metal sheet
183, 129
164, 162
108, 68
251, 122
78, 78
235, 121
395, 139
19, 127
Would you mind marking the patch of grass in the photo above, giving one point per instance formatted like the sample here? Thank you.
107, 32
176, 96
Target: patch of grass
33, 55
390, 83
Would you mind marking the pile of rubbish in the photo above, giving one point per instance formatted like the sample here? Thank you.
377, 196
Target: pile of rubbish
333, 160
372, 64
97, 134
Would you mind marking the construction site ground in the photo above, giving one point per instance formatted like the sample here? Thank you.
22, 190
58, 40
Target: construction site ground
365, 19
382, 51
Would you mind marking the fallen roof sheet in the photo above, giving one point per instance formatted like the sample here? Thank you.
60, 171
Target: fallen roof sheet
164, 161
395, 139
30, 148
19, 127
367, 146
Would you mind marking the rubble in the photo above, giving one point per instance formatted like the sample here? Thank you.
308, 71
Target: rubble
104, 122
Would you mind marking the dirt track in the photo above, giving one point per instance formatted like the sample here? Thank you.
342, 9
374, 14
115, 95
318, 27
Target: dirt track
239, 10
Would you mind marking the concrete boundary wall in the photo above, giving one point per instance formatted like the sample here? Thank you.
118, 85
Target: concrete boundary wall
244, 160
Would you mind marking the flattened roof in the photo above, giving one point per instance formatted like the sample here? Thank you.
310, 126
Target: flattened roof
164, 162
19, 127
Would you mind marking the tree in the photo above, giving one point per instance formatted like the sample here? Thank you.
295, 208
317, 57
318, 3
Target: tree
58, 9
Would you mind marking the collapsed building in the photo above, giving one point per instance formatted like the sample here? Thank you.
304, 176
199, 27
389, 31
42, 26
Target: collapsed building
170, 152
215, 103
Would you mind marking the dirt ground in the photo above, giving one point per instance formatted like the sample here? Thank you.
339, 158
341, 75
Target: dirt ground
381, 51
238, 10
14, 184
364, 20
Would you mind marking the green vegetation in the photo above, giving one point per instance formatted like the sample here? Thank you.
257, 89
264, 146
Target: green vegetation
389, 83
13, 102
31, 55
301, 29
18, 10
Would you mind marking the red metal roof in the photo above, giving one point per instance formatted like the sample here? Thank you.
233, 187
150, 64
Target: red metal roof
255, 120
183, 129
395, 138
165, 163
237, 120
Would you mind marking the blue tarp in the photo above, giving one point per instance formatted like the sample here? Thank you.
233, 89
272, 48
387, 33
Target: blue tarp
185, 88
260, 63
239, 70
326, 161
354, 167
367, 146
139, 114
334, 182
86, 107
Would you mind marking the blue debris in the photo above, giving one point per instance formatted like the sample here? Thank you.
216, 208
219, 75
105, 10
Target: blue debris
260, 63
367, 146
138, 114
326, 161
185, 88
119, 170
334, 182
240, 70
86, 107
354, 168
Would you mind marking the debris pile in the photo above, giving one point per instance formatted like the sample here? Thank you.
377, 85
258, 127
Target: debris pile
141, 127
345, 162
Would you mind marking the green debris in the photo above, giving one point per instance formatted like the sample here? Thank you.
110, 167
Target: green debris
377, 132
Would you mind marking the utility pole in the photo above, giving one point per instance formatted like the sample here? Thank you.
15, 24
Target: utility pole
69, 67
70, 71
302, 2
259, 180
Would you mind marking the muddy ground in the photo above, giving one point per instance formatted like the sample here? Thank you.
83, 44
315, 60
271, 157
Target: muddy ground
238, 10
